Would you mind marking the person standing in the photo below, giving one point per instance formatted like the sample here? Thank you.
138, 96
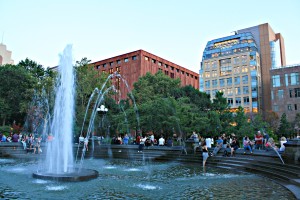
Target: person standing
208, 142
204, 154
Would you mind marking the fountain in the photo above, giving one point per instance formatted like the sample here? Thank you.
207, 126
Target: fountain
59, 163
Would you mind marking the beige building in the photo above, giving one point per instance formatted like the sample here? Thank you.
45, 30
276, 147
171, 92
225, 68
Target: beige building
5, 55
239, 65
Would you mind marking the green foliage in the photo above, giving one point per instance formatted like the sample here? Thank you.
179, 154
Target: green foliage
16, 91
284, 127
87, 79
5, 129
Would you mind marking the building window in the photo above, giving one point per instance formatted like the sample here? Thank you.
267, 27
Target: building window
214, 64
104, 65
245, 90
196, 78
166, 72
153, 61
125, 59
118, 62
182, 72
214, 83
229, 91
214, 73
237, 80
214, 92
244, 59
286, 79
230, 101
159, 69
245, 79
272, 95
222, 82
172, 75
289, 107
206, 65
280, 94
159, 63
229, 81
207, 74
236, 60
295, 106
166, 66
276, 80
245, 69
146, 58
207, 84
297, 92
192, 76
237, 91
295, 78
172, 68
236, 70
134, 58
238, 101
246, 100
98, 66
275, 108
225, 66
291, 93
111, 63
177, 70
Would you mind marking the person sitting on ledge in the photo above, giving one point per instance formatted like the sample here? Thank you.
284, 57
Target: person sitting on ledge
247, 144
234, 146
218, 147
161, 141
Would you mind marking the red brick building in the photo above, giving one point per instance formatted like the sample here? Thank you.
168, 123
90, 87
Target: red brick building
137, 63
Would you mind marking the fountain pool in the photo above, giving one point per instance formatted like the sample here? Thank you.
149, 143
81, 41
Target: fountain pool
124, 179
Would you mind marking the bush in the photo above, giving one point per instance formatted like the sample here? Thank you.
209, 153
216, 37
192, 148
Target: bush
5, 129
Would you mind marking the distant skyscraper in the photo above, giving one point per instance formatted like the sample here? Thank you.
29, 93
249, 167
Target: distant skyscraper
239, 65
5, 55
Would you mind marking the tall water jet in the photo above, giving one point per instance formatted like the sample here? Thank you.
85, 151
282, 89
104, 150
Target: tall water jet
60, 157
59, 163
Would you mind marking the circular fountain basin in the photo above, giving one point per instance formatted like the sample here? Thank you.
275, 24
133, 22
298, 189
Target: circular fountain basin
76, 176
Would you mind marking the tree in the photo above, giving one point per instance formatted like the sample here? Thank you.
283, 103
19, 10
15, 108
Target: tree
284, 127
296, 123
87, 80
272, 119
16, 91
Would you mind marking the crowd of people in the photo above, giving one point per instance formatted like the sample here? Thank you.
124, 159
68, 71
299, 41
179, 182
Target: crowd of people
29, 141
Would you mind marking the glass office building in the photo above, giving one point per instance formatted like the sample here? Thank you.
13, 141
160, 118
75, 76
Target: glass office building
239, 66
232, 65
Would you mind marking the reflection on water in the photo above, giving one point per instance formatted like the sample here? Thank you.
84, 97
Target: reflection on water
124, 179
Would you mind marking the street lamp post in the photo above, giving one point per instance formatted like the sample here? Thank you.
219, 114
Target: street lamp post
103, 111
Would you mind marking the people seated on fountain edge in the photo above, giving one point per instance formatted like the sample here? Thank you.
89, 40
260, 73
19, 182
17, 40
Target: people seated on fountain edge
218, 147
282, 141
247, 144
161, 141
30, 146
126, 139
142, 144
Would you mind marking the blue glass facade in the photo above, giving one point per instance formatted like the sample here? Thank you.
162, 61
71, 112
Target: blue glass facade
231, 64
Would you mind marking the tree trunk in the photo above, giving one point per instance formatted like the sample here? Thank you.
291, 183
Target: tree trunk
3, 122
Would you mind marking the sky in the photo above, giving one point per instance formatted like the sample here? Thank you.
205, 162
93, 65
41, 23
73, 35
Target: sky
176, 30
